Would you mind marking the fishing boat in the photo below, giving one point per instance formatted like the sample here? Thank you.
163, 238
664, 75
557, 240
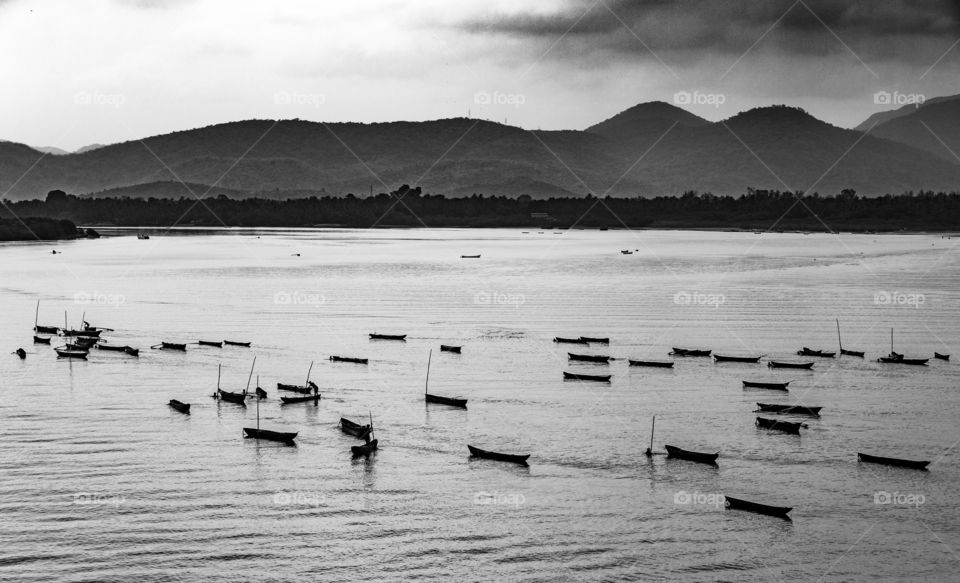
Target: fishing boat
181, 407
588, 358
235, 343
766, 385
690, 352
281, 436
725, 358
651, 363
594, 340
901, 360
892, 461
562, 340
781, 364
117, 348
789, 409
844, 351
693, 456
936, 355
449, 348
819, 353
21, 353
217, 344
353, 428
365, 449
503, 457
738, 504
64, 352
305, 399
40, 340
375, 336
306, 388
88, 333
626, 252
349, 359
469, 257
85, 341
46, 329
586, 377
238, 398
131, 351
173, 346
437, 399
784, 426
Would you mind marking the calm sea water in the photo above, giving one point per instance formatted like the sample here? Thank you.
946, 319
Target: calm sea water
101, 481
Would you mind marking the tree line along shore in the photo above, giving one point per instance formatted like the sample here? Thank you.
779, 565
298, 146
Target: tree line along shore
56, 216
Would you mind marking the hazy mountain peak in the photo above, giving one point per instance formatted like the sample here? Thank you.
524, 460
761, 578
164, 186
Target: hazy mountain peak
643, 118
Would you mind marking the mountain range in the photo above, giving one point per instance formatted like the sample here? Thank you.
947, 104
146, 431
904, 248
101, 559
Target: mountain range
650, 149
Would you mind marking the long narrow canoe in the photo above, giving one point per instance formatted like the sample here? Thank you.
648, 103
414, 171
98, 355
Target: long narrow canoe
781, 364
452, 401
899, 359
235, 343
349, 359
111, 347
355, 429
94, 333
280, 436
588, 358
693, 456
595, 340
690, 352
766, 385
812, 352
85, 341
936, 355
469, 257
738, 504
365, 449
725, 358
295, 388
652, 363
216, 344
40, 340
238, 398
586, 377
562, 340
892, 461
789, 409
173, 346
67, 353
503, 457
131, 351
46, 329
784, 426
305, 399
181, 407
857, 353
450, 348
375, 336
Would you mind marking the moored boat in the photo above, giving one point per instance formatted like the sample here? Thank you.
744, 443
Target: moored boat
46, 329
503, 457
131, 351
40, 340
305, 399
64, 352
727, 358
589, 358
586, 377
112, 347
652, 363
281, 436
595, 340
690, 352
818, 353
352, 428
777, 425
766, 385
89, 333
365, 449
173, 346
296, 388
216, 344
789, 409
450, 348
375, 336
895, 358
936, 355
349, 359
781, 364
562, 340
437, 399
892, 461
181, 407
469, 257
237, 398
235, 343
693, 456
739, 504
857, 353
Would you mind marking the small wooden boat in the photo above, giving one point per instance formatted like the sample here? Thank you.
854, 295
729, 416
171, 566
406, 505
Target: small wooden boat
766, 385
349, 359
856, 353
217, 344
776, 425
234, 343
449, 348
173, 346
652, 363
305, 399
469, 257
281, 436
789, 409
76, 346
594, 340
586, 377
626, 252
64, 352
260, 393
88, 333
21, 353
503, 457
588, 358
437, 399
781, 364
131, 351
41, 340
819, 353
690, 352
895, 358
238, 398
46, 329
84, 341
111, 347
296, 388
352, 428
365, 449
725, 358
401, 337
562, 340
738, 504
693, 456
892, 461
936, 355
181, 407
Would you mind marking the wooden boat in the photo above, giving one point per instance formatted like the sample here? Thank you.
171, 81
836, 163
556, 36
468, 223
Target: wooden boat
469, 257
738, 504
218, 344
690, 352
173, 346
936, 355
693, 456
653, 363
365, 449
281, 436
503, 457
844, 351
260, 393
89, 333
449, 348
112, 347
892, 461
296, 388
725, 358
789, 409
84, 341
238, 398
562, 340
352, 428
182, 407
766, 385
76, 346
594, 340
586, 377
40, 340
781, 364
626, 252
46, 329
234, 343
437, 399
64, 352
401, 337
819, 353
349, 359
289, 400
588, 358
784, 426
131, 351
895, 358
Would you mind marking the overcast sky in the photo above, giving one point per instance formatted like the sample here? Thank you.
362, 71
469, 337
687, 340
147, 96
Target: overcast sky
77, 72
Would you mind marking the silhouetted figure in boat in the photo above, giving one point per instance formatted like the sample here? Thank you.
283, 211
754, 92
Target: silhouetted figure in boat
21, 353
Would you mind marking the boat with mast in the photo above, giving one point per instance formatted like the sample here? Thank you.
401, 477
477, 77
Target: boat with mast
897, 358
451, 401
844, 351
267, 434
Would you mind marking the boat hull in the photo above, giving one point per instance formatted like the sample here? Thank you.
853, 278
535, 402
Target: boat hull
306, 399
593, 340
652, 363
789, 409
939, 356
448, 348
451, 401
502, 457
40, 340
762, 385
238, 398
398, 337
589, 358
181, 407
818, 353
689, 352
693, 456
571, 376
294, 388
739, 504
365, 449
892, 461
782, 426
749, 359
280, 436
354, 429
77, 354
800, 365
349, 359
562, 340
